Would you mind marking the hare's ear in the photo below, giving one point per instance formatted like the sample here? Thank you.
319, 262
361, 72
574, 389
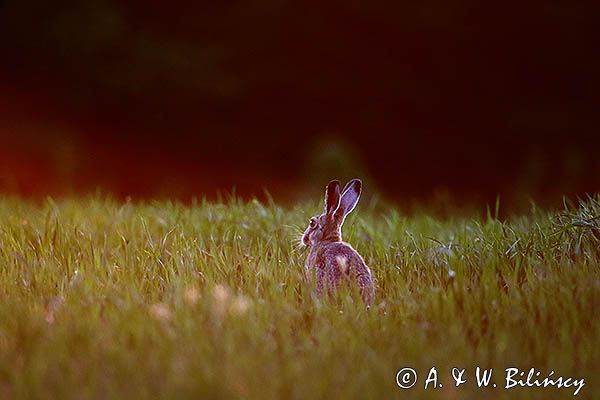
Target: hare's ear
350, 196
332, 197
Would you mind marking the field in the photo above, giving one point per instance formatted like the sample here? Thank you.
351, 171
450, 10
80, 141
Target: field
103, 299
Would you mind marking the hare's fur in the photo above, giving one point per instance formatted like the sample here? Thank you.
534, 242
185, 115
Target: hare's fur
330, 260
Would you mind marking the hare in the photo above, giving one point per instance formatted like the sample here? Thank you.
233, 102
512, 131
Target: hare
334, 260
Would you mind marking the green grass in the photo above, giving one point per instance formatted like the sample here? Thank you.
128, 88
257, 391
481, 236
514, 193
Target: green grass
105, 299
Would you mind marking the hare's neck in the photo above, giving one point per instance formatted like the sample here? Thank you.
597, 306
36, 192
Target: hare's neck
332, 236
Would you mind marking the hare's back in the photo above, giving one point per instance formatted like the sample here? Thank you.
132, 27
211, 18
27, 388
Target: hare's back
342, 256
340, 259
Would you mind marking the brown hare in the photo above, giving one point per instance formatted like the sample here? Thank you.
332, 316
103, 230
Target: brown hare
331, 260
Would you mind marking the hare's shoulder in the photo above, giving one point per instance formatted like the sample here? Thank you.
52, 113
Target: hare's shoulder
337, 250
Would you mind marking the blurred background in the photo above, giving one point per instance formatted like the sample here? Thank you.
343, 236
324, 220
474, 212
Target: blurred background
462, 100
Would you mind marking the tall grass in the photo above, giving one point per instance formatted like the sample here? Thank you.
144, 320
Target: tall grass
108, 299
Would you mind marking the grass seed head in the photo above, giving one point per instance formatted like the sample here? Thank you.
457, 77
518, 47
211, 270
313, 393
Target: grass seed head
192, 296
53, 305
240, 305
160, 312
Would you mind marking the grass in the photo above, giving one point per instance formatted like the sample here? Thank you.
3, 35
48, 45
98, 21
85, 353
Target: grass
108, 299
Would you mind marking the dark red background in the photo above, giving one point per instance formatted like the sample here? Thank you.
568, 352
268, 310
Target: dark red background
185, 98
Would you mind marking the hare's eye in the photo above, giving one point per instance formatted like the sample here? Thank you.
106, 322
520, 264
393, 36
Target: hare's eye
312, 223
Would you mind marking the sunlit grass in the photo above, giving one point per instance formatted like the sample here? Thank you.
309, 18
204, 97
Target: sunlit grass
105, 299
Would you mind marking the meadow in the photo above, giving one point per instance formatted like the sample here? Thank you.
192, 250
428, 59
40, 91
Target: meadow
103, 299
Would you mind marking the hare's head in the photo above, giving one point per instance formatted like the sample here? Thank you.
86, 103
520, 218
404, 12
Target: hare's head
327, 227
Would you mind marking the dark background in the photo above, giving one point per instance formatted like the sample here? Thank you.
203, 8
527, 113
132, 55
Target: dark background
469, 99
